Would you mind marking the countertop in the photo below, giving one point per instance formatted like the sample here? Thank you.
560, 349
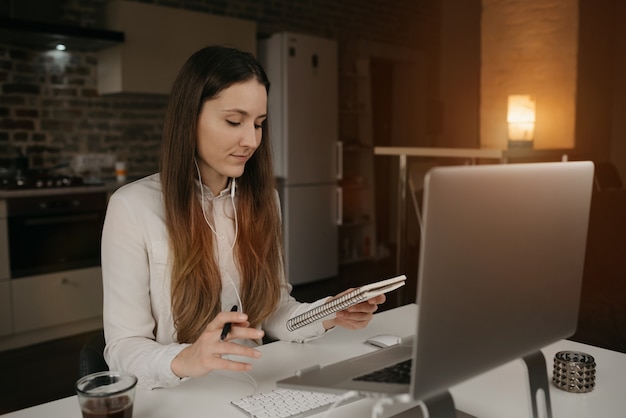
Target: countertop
107, 186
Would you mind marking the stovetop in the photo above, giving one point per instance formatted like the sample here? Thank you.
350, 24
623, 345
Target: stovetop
40, 182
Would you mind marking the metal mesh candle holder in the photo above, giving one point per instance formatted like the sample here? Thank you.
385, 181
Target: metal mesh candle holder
574, 371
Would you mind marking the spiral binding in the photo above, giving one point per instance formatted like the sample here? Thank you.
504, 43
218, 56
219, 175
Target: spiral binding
326, 309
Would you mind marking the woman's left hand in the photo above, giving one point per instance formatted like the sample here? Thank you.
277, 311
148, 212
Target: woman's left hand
357, 316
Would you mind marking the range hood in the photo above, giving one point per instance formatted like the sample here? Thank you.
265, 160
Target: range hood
44, 35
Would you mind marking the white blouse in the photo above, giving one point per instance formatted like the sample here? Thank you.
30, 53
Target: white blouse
138, 324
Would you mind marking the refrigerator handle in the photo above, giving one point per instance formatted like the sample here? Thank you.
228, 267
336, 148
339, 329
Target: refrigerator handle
339, 160
339, 206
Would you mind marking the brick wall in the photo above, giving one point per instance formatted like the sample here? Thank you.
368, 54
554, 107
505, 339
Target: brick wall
50, 108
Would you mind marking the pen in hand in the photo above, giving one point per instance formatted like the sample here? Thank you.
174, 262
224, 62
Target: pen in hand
228, 325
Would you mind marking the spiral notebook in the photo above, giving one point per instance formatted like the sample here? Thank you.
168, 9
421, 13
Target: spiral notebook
343, 302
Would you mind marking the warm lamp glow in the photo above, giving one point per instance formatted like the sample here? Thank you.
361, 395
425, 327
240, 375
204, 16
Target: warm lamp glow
521, 117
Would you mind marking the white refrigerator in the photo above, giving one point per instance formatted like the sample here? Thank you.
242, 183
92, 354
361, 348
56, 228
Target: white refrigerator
303, 126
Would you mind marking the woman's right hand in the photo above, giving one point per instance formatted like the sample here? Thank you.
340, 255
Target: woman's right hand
205, 354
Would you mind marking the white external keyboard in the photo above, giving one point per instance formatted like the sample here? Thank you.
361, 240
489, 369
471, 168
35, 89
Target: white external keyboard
285, 403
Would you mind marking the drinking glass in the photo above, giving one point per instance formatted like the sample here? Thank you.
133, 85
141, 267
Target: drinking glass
109, 394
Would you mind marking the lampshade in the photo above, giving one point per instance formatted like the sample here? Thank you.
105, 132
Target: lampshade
521, 117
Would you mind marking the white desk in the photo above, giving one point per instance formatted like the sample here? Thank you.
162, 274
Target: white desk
499, 393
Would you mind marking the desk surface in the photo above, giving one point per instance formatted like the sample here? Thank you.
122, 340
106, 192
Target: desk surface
501, 392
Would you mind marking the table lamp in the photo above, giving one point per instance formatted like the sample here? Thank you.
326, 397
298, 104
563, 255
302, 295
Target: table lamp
521, 120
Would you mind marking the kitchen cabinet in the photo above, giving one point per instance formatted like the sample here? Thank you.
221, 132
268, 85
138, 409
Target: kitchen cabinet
6, 326
158, 41
59, 293
357, 233
4, 242
56, 298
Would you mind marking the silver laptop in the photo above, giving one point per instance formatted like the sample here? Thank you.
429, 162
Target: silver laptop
500, 273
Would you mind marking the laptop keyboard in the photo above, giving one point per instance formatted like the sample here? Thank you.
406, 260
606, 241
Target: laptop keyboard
284, 403
398, 373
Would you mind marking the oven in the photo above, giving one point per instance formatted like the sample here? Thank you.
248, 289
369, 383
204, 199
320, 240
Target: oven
51, 233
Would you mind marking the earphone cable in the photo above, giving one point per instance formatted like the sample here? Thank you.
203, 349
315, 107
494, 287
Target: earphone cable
232, 200
202, 200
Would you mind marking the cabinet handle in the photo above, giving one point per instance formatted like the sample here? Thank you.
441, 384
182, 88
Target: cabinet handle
339, 160
339, 206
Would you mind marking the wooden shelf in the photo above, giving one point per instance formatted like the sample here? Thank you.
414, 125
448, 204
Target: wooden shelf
357, 234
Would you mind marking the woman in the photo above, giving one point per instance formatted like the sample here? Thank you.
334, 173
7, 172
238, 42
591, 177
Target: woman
182, 247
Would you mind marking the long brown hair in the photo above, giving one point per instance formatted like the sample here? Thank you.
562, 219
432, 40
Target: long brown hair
196, 277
